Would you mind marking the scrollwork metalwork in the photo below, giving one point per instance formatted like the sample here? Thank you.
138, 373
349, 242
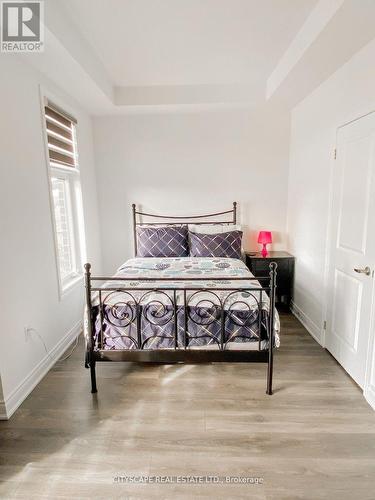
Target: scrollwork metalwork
118, 311
203, 311
156, 311
240, 312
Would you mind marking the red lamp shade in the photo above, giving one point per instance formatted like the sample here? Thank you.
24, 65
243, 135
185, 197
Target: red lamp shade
264, 238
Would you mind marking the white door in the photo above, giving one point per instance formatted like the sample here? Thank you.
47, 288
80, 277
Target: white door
352, 256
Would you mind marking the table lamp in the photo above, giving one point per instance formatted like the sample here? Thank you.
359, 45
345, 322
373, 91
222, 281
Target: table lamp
264, 238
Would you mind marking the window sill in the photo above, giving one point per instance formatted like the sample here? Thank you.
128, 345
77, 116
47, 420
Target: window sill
70, 285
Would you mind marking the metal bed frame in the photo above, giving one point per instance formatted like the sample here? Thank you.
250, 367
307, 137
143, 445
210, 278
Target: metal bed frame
138, 311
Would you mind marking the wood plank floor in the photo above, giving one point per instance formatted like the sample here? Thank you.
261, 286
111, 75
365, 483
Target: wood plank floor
314, 438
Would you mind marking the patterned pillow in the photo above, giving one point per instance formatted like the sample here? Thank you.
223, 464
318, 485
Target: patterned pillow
216, 245
162, 241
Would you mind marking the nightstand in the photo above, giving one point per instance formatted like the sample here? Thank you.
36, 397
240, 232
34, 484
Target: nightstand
259, 266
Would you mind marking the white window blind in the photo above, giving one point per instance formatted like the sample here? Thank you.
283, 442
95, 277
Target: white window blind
61, 138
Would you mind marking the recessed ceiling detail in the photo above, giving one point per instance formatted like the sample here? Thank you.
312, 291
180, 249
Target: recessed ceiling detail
118, 56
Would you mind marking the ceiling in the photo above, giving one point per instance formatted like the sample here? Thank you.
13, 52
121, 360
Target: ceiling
188, 42
121, 56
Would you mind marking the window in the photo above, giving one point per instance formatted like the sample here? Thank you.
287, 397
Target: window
64, 176
64, 226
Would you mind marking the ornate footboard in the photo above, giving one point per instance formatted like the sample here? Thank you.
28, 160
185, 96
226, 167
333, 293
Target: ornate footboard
171, 324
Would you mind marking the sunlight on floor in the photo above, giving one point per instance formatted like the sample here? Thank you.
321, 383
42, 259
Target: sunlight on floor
179, 371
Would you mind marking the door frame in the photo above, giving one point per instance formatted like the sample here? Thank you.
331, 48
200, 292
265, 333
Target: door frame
369, 387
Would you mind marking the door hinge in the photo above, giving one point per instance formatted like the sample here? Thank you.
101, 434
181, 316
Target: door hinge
335, 154
325, 325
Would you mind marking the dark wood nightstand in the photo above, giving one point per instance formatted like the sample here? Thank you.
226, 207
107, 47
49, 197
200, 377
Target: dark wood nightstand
259, 265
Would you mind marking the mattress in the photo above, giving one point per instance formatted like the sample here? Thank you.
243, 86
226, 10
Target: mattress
151, 316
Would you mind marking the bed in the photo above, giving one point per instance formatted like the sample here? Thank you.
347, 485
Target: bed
186, 309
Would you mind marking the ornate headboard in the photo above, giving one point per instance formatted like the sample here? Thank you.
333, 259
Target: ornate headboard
142, 218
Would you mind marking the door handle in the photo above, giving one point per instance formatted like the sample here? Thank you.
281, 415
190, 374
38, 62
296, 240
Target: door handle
366, 270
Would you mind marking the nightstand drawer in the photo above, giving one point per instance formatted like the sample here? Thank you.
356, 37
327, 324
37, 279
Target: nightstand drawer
263, 266
259, 266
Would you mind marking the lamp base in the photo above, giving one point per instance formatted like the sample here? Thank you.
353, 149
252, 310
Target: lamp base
264, 250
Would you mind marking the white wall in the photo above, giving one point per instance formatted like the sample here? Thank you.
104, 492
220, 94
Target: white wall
29, 286
346, 95
191, 162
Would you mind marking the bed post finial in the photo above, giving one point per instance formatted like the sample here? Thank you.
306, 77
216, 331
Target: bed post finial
87, 267
234, 212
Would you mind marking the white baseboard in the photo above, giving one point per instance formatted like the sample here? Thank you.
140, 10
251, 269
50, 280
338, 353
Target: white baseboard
20, 393
369, 394
307, 322
3, 411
